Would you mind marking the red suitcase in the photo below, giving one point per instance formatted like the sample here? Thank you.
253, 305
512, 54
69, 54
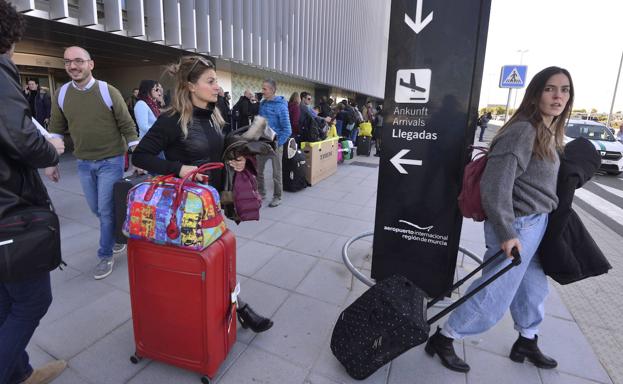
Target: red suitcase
182, 306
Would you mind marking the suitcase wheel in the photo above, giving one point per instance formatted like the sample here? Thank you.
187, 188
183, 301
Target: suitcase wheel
135, 359
205, 380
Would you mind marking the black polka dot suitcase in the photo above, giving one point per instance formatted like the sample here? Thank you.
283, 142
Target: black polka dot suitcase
390, 318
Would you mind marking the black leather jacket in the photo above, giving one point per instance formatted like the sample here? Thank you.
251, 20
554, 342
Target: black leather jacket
22, 148
204, 143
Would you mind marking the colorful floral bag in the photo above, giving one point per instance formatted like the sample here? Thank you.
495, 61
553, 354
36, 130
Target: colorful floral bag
174, 211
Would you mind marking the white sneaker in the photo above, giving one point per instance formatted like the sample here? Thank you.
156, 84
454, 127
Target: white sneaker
276, 202
118, 248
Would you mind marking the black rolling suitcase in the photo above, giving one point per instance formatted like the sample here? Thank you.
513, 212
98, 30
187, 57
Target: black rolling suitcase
120, 193
364, 145
390, 318
293, 167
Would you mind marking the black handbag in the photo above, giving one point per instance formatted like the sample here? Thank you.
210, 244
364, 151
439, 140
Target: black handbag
30, 243
390, 318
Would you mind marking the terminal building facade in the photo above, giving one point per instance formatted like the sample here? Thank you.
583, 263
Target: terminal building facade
335, 48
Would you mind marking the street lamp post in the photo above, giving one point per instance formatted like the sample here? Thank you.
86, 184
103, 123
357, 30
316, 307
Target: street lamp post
614, 95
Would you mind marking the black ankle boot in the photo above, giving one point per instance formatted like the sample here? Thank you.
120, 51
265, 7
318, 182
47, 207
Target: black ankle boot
526, 348
442, 346
249, 319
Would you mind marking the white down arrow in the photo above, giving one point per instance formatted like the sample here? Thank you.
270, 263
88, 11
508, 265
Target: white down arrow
398, 161
418, 24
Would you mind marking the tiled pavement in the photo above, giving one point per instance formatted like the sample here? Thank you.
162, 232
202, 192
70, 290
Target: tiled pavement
597, 304
290, 268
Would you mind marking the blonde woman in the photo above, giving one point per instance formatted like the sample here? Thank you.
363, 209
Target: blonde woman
189, 133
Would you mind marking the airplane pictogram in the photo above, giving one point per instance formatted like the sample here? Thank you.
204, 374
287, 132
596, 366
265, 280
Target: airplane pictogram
412, 84
414, 90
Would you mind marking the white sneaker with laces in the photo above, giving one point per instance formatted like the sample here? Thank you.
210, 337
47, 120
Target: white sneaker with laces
118, 248
276, 202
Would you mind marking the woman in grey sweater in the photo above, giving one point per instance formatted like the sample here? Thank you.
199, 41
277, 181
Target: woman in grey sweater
518, 190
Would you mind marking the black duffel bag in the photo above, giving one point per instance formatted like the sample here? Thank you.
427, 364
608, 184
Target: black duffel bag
30, 243
390, 318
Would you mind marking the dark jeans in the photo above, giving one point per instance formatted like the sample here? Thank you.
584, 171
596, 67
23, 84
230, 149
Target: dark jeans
482, 132
22, 305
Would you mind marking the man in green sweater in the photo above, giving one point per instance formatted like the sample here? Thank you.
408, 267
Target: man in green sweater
96, 117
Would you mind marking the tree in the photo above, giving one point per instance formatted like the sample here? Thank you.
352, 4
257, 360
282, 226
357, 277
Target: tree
593, 110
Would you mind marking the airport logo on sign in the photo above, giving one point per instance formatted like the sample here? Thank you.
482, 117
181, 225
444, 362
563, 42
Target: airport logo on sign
412, 85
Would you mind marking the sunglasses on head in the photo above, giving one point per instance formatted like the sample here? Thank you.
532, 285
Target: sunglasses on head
197, 60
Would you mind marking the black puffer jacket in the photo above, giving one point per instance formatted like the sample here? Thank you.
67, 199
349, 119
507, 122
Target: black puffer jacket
22, 148
567, 252
203, 144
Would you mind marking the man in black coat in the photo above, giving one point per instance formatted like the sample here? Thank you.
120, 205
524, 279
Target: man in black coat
567, 252
22, 150
223, 105
244, 110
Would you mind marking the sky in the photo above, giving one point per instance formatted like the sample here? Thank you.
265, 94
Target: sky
585, 37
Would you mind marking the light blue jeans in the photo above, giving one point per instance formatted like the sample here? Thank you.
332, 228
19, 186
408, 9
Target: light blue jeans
523, 289
97, 178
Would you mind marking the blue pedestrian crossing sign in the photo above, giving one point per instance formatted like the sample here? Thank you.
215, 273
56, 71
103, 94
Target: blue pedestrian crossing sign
513, 76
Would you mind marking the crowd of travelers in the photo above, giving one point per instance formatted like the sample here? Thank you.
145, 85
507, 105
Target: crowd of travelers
294, 118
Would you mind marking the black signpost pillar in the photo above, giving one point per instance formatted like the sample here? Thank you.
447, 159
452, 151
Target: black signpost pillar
434, 70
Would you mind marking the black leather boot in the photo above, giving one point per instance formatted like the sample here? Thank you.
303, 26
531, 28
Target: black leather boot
442, 346
526, 348
249, 319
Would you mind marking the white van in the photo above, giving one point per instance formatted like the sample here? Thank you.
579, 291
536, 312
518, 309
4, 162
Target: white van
609, 148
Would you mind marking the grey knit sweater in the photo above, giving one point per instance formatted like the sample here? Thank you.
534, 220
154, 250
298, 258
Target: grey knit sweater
515, 183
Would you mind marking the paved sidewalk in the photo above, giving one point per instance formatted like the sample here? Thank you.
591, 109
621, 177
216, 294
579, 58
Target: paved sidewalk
597, 304
290, 268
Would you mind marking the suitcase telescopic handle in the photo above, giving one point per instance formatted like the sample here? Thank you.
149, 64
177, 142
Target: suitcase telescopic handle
516, 260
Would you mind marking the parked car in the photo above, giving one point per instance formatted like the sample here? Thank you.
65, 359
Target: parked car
609, 148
